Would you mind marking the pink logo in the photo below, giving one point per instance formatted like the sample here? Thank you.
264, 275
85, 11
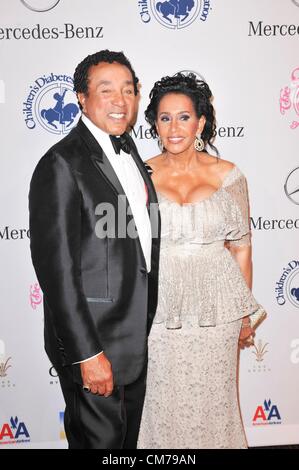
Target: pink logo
289, 98
35, 295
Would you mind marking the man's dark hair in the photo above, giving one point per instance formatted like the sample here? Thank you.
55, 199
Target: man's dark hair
81, 72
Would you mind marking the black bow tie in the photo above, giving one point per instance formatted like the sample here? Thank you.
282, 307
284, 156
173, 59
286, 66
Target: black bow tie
121, 143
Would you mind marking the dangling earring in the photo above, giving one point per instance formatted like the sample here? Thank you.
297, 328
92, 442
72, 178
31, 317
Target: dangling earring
199, 144
160, 144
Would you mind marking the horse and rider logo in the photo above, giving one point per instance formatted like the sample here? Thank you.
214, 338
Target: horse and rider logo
176, 14
58, 114
295, 294
52, 104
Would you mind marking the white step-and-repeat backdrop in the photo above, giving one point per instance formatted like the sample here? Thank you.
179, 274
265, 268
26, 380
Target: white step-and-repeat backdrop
247, 50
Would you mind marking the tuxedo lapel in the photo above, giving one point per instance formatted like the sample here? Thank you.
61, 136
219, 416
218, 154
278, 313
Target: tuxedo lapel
99, 158
153, 207
105, 169
152, 197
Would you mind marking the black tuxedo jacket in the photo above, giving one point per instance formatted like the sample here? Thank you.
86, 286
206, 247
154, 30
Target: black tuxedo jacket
97, 292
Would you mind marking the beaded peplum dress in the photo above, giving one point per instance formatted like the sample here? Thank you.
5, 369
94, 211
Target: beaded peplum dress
192, 398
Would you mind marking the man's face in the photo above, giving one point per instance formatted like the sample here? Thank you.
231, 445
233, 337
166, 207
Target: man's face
110, 102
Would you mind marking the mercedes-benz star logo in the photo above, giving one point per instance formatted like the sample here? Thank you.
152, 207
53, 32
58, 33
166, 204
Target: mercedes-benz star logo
40, 5
291, 186
198, 75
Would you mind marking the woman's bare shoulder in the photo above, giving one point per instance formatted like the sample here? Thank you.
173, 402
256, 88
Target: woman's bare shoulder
223, 167
155, 162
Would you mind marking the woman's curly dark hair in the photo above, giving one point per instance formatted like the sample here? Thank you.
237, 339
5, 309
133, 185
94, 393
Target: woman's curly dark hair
197, 90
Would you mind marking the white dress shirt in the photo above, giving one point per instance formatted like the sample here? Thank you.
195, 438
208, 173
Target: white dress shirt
133, 185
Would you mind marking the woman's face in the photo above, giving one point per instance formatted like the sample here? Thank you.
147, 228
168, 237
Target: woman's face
177, 122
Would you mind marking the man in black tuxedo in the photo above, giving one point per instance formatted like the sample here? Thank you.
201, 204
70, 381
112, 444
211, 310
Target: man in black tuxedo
94, 227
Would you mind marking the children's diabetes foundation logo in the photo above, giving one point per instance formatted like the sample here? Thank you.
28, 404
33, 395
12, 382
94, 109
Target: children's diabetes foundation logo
40, 5
174, 14
52, 104
287, 287
289, 100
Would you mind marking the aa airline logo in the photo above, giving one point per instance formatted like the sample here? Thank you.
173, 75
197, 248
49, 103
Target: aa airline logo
14, 432
265, 414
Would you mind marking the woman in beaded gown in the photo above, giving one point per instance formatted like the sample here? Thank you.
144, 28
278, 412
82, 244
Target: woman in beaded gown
205, 297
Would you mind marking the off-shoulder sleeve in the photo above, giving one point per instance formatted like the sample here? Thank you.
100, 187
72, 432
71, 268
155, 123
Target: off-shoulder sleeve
238, 191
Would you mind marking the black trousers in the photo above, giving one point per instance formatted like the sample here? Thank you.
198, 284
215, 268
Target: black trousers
95, 422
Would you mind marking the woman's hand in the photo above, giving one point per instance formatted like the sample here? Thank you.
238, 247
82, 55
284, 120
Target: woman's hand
246, 334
